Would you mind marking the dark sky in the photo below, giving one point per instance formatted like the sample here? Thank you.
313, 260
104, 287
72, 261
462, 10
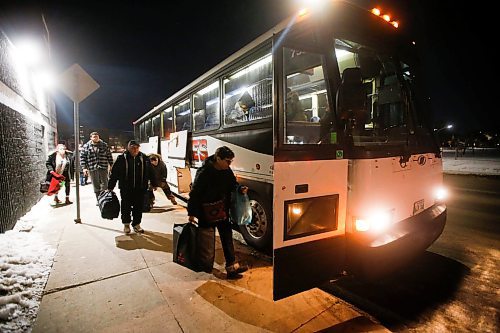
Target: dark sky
141, 53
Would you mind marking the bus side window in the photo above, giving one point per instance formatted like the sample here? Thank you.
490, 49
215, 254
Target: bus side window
206, 107
248, 92
182, 112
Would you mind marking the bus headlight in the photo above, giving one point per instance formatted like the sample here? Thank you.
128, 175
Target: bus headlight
378, 221
441, 194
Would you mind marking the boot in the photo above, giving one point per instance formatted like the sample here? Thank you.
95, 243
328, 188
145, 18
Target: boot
56, 201
234, 271
67, 202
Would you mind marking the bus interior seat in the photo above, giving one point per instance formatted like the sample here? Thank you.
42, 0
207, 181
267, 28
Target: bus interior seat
351, 98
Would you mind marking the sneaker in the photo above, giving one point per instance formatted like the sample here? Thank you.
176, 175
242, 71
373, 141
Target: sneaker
233, 271
126, 228
138, 229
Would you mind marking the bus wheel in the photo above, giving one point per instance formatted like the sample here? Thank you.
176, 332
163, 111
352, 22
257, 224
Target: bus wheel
258, 233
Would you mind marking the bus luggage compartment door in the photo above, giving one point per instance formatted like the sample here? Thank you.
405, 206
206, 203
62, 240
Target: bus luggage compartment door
309, 224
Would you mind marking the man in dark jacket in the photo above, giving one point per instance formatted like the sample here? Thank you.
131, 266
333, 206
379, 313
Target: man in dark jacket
209, 202
133, 171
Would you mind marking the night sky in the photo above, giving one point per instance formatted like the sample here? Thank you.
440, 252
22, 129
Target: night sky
141, 53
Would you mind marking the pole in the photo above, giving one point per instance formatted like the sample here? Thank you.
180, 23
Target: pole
77, 162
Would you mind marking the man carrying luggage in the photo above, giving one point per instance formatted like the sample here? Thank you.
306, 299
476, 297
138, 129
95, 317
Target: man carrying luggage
132, 170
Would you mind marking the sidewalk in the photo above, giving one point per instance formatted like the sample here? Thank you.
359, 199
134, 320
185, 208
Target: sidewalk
105, 281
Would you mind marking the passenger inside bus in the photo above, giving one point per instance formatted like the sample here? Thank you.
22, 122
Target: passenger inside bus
241, 110
294, 110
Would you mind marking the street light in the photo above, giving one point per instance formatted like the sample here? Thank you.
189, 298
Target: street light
442, 128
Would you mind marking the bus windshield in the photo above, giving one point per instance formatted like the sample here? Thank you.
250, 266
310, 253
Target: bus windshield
374, 104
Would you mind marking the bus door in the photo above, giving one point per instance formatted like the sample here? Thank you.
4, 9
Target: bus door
310, 176
178, 175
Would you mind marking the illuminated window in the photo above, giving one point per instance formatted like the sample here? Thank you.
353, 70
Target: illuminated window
206, 108
182, 113
248, 92
168, 122
307, 116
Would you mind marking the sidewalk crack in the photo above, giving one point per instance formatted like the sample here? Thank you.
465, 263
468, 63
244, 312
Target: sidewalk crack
55, 290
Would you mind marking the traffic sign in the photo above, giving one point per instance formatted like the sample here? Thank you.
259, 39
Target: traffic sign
77, 84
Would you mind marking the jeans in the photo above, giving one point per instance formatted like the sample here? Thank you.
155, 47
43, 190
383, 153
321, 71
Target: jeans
83, 179
99, 179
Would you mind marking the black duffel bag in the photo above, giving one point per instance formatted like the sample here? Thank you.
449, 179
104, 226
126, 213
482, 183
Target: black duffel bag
109, 205
194, 247
44, 186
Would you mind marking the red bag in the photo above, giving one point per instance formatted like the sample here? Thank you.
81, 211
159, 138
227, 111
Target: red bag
55, 183
214, 211
54, 187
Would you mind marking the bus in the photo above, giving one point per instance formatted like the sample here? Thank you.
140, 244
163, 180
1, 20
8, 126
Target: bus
328, 121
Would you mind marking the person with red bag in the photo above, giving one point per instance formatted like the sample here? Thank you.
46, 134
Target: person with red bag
59, 168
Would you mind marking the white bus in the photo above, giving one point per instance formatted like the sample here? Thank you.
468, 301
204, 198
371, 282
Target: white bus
328, 123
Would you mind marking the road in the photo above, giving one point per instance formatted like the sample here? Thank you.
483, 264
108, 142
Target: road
455, 285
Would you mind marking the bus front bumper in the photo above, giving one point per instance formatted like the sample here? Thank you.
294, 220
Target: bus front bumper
377, 256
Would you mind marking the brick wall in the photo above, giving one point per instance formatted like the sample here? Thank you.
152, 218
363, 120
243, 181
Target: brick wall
26, 136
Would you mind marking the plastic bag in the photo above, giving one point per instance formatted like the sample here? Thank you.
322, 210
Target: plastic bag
241, 211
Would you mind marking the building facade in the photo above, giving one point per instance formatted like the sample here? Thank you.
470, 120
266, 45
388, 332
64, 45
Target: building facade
28, 132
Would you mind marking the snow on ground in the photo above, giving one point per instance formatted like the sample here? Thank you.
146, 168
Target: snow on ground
480, 161
26, 260
25, 263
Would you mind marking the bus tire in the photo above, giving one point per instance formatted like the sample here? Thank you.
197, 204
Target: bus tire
259, 233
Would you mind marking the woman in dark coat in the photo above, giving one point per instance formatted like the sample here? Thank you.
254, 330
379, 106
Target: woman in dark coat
60, 166
209, 202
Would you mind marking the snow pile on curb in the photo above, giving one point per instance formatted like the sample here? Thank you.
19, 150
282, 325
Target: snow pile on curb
25, 263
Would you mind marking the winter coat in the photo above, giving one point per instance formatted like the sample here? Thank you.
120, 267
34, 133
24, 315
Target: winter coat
68, 170
210, 185
95, 156
160, 171
132, 173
